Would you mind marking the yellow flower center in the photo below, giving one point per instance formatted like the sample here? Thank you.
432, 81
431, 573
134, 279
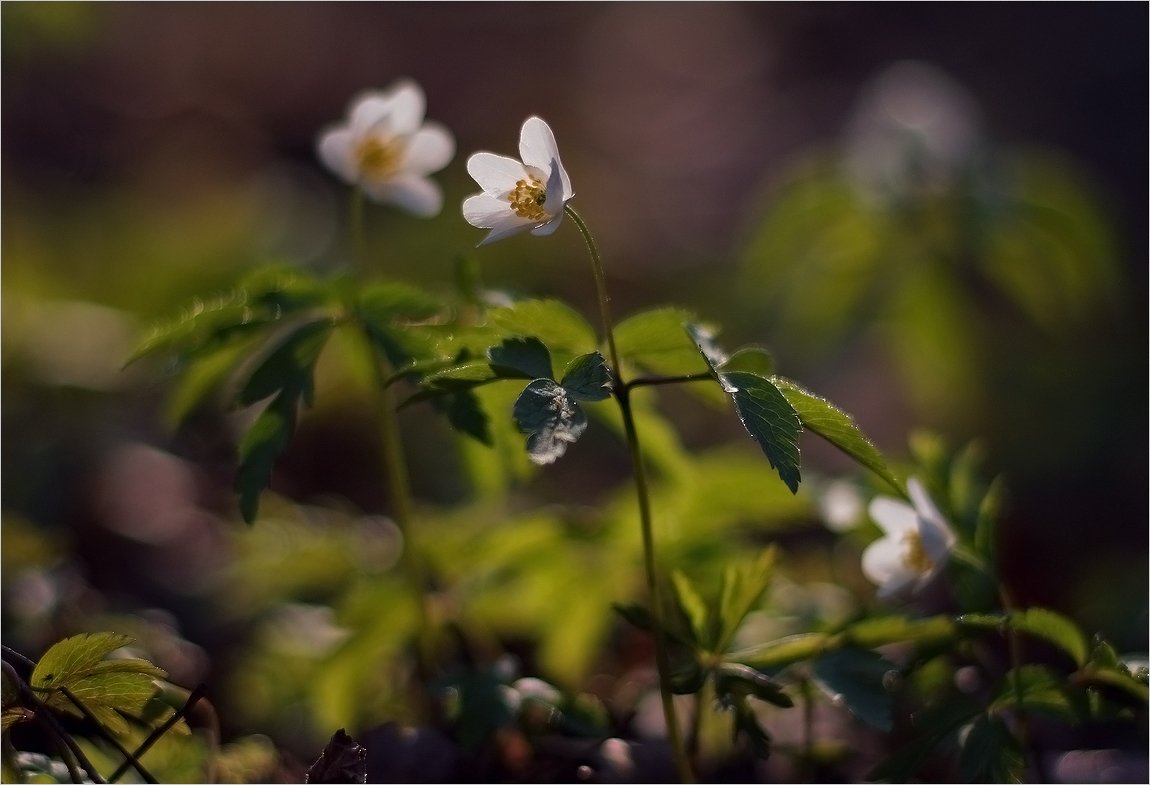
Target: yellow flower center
913, 555
528, 198
378, 158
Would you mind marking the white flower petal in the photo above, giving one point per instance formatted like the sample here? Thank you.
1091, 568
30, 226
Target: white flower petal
883, 565
406, 107
557, 190
893, 516
495, 174
428, 150
368, 110
537, 144
484, 211
335, 150
549, 227
418, 195
511, 225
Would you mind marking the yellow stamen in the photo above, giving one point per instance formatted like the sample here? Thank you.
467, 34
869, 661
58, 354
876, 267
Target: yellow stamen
913, 555
377, 158
528, 198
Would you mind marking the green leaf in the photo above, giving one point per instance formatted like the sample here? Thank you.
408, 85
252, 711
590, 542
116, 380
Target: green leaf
740, 589
752, 359
655, 340
692, 607
990, 753
554, 323
464, 375
587, 378
705, 343
289, 365
1036, 688
521, 358
856, 677
261, 445
551, 419
105, 687
783, 651
384, 303
1056, 629
466, 415
770, 420
929, 728
837, 427
880, 631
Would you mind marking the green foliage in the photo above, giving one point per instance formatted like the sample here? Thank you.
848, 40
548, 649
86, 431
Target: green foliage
74, 677
654, 341
857, 678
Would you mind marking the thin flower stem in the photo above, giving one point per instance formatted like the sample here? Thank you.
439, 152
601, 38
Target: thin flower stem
395, 465
651, 381
622, 393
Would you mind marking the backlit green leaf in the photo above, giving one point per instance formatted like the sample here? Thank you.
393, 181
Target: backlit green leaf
752, 359
1055, 628
837, 427
692, 607
384, 303
655, 340
289, 365
558, 326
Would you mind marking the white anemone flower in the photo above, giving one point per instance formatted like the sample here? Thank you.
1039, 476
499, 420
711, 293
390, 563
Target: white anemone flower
386, 149
916, 544
519, 196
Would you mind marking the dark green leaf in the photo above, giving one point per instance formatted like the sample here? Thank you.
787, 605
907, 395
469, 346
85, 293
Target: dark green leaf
856, 677
837, 427
770, 420
463, 376
655, 340
521, 358
267, 437
587, 378
551, 419
635, 614
289, 365
990, 753
747, 725
466, 415
880, 631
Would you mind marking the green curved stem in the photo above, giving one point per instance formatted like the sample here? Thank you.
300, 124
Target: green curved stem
622, 392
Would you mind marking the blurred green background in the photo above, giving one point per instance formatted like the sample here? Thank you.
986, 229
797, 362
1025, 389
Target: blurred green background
933, 214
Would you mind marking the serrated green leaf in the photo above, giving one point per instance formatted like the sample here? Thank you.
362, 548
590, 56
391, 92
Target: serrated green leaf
74, 657
752, 359
856, 676
551, 419
770, 420
655, 340
464, 375
466, 415
521, 358
837, 427
990, 753
587, 378
556, 324
289, 365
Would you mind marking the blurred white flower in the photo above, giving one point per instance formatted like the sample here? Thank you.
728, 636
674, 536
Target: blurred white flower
387, 150
840, 505
519, 195
916, 544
